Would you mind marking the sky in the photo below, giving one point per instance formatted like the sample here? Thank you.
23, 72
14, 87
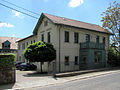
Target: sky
17, 24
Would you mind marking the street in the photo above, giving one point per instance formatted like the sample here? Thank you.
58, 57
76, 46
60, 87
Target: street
104, 82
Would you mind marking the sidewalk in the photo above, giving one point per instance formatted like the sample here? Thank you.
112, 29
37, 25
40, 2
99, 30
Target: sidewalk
28, 82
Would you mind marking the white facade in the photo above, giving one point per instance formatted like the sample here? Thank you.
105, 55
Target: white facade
63, 49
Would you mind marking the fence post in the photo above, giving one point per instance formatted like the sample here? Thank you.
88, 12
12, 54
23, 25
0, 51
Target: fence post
54, 69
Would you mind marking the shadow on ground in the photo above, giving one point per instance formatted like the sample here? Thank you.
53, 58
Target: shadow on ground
7, 86
37, 74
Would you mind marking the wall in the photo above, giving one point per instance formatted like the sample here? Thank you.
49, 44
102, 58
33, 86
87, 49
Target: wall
7, 75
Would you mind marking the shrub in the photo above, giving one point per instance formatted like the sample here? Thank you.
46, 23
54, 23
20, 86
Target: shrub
7, 61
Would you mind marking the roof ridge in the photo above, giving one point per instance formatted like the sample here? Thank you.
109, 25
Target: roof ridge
72, 19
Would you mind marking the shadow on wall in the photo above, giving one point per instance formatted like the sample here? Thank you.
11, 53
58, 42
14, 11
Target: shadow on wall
7, 86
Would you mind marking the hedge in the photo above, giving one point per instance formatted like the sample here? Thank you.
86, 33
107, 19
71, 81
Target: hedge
7, 61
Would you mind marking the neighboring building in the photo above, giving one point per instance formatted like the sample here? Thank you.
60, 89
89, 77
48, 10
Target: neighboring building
8, 45
78, 45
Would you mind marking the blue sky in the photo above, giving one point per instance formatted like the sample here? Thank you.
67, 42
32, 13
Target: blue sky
16, 24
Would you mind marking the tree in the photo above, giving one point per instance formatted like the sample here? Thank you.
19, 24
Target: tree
40, 52
111, 21
113, 57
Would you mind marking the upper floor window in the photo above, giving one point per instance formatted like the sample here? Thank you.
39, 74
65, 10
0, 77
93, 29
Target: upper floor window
45, 23
87, 38
66, 36
76, 36
23, 46
103, 40
42, 37
31, 42
19, 47
76, 60
48, 37
27, 43
34, 41
66, 60
6, 44
97, 39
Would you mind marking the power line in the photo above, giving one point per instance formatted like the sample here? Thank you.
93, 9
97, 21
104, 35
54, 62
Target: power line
21, 7
18, 11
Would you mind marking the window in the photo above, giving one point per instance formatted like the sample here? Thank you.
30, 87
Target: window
31, 42
23, 46
76, 60
19, 47
66, 36
98, 56
97, 39
45, 23
27, 43
42, 37
48, 37
103, 40
76, 36
34, 41
87, 38
66, 60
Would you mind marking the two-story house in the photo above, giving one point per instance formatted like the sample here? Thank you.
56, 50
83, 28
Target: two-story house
78, 45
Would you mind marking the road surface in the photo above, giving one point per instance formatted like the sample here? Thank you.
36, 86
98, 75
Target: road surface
104, 82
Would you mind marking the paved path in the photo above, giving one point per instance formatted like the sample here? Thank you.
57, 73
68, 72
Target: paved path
104, 82
27, 80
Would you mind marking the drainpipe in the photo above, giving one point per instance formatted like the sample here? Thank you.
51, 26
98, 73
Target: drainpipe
59, 49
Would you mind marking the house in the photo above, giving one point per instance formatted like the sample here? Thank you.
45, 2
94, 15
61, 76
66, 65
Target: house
78, 45
8, 45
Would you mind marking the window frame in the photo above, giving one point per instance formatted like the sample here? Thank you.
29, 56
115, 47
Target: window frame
49, 37
76, 60
66, 60
76, 37
66, 36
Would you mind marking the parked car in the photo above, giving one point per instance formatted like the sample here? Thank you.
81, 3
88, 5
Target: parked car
17, 64
27, 66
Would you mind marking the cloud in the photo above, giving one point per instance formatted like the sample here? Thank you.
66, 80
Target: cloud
75, 3
17, 14
2, 24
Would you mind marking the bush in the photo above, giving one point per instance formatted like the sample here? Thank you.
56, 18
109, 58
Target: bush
7, 61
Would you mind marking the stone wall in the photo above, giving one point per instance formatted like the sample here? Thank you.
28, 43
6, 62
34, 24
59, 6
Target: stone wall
7, 75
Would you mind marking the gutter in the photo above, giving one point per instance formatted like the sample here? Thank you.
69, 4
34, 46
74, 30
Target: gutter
59, 49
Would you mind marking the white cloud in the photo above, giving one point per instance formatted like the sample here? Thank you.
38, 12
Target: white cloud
75, 3
17, 14
2, 24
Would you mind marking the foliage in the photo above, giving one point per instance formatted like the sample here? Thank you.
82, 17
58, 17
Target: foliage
40, 52
113, 57
7, 61
111, 21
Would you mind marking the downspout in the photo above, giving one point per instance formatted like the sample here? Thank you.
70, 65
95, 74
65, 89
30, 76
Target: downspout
59, 49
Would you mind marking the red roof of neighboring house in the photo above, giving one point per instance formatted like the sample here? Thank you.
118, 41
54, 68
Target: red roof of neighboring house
12, 40
75, 23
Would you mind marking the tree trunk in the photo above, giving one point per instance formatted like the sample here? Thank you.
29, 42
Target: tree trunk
48, 67
41, 67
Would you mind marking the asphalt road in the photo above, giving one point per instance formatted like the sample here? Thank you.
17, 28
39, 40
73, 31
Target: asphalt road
104, 82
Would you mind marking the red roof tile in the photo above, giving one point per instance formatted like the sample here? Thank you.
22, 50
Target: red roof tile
12, 40
75, 23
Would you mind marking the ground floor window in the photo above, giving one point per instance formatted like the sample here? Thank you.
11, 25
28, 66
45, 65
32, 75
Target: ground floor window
98, 56
76, 60
66, 60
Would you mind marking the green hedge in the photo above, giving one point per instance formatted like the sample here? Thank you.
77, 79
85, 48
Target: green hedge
7, 61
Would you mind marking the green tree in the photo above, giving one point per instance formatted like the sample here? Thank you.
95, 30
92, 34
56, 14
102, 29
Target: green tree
40, 52
111, 21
